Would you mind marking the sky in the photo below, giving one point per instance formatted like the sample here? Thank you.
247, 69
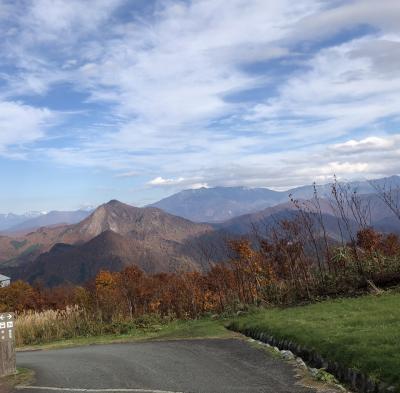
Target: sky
138, 99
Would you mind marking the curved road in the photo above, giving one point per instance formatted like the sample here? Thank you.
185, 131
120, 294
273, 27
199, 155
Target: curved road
195, 366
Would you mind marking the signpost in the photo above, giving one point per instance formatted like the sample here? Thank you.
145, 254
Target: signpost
7, 344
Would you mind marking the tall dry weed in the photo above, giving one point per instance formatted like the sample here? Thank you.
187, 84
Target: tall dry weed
52, 325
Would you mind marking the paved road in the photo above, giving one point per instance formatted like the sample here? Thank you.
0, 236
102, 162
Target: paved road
196, 366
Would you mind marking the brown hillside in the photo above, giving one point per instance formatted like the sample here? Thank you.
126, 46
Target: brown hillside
113, 236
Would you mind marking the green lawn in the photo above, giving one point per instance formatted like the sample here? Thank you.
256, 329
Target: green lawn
202, 328
361, 333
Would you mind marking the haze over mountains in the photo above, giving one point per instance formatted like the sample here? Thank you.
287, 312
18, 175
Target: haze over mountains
116, 234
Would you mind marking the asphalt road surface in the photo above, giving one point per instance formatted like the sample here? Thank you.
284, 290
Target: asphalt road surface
195, 366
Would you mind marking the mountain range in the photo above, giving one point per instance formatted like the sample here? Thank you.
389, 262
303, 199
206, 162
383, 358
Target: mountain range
10, 220
115, 234
17, 223
211, 205
215, 205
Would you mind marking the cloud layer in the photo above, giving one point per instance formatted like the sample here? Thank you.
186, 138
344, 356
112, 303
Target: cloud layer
191, 93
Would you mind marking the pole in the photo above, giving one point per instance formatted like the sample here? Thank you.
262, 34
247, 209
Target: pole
7, 344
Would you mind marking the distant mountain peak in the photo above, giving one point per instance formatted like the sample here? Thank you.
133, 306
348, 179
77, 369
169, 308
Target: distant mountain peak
219, 203
123, 219
114, 202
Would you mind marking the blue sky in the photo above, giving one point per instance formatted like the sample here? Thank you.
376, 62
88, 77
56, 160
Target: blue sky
138, 99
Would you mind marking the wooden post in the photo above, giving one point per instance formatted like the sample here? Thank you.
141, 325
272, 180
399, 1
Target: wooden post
7, 345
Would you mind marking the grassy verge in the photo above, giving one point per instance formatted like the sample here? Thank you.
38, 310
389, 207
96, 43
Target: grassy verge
361, 333
201, 328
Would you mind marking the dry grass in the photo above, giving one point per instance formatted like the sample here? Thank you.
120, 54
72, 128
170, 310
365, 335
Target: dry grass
73, 326
39, 327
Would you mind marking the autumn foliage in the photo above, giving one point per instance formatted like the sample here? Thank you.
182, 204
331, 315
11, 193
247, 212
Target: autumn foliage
269, 271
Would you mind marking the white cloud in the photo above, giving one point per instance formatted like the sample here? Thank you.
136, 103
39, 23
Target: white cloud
160, 181
369, 144
49, 20
21, 124
176, 72
341, 91
172, 77
39, 37
181, 182
196, 186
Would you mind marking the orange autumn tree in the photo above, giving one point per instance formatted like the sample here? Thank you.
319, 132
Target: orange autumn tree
130, 283
252, 271
107, 295
19, 296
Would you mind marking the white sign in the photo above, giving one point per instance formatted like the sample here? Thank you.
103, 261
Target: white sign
7, 326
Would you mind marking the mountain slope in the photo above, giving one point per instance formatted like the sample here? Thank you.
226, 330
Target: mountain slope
113, 236
377, 215
260, 223
139, 222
